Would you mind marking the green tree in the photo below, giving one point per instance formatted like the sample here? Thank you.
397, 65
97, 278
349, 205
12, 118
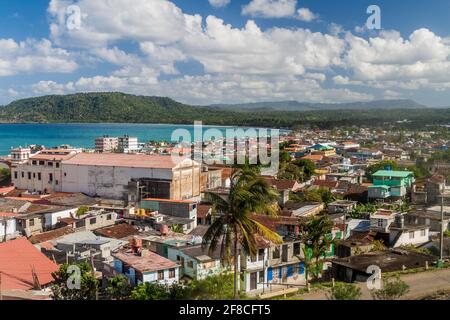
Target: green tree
150, 291
344, 292
177, 228
119, 288
307, 166
317, 238
249, 194
65, 284
216, 287
82, 211
393, 289
382, 165
5, 177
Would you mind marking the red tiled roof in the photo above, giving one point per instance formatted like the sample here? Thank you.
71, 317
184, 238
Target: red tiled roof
6, 190
17, 258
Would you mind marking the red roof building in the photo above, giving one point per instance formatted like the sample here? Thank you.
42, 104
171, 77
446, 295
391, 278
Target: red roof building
19, 259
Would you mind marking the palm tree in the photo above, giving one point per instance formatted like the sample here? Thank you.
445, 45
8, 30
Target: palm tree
249, 194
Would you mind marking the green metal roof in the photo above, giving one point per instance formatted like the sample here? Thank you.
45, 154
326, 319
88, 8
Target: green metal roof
382, 187
394, 174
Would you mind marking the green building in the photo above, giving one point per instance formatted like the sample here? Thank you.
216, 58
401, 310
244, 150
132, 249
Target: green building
390, 184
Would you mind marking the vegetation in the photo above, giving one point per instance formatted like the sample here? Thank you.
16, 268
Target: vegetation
393, 289
321, 195
118, 288
235, 226
299, 170
118, 107
177, 228
74, 282
5, 177
82, 211
361, 210
317, 238
217, 287
345, 292
156, 291
382, 165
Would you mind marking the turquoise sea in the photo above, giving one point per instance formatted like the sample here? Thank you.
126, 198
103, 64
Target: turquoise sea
82, 135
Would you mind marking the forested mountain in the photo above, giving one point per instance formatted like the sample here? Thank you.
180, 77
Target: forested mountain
125, 108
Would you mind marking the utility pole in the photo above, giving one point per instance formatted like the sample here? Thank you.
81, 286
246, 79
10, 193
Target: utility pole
441, 256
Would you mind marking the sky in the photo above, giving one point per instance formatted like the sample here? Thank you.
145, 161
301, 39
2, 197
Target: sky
228, 51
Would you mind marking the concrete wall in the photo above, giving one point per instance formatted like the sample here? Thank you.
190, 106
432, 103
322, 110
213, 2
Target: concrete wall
420, 237
19, 177
10, 227
51, 219
108, 182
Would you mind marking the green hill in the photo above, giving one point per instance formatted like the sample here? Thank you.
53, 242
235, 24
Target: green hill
125, 108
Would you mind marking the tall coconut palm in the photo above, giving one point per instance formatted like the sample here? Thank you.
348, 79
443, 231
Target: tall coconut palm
249, 194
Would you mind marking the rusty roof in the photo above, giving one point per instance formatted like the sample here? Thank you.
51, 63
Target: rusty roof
148, 263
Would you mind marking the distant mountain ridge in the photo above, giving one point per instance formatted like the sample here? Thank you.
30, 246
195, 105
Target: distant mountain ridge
116, 107
307, 106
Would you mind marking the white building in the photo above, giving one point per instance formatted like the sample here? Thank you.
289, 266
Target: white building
128, 144
106, 144
8, 226
41, 172
146, 267
109, 175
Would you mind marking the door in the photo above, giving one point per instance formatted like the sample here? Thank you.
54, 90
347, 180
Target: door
253, 280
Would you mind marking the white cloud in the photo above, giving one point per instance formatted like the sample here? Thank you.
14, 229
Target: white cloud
422, 59
305, 14
219, 3
33, 56
270, 8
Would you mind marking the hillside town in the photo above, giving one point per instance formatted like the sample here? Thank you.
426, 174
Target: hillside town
137, 222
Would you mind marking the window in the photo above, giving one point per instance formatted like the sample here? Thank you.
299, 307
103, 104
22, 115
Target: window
50, 164
31, 222
23, 174
423, 233
34, 162
57, 164
261, 254
161, 275
190, 264
65, 174
29, 175
178, 258
411, 235
171, 273
261, 277
93, 221
56, 182
15, 174
50, 177
276, 253
380, 223
41, 163
39, 176
109, 217
296, 249
34, 175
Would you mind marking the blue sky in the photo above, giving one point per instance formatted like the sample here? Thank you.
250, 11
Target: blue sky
246, 50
